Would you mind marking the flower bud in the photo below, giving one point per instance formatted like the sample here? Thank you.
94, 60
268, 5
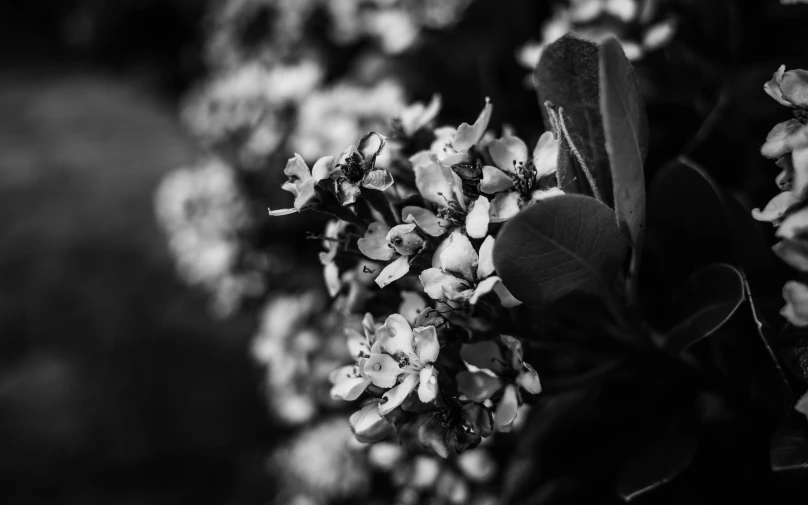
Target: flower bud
368, 425
405, 240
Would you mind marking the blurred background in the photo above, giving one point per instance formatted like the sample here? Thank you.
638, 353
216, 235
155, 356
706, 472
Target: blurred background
141, 142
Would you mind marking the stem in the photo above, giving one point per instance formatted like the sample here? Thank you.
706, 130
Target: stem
578, 155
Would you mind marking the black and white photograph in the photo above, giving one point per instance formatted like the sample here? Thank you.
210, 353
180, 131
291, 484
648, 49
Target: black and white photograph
403, 252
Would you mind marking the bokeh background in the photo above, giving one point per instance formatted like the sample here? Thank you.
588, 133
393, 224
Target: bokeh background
119, 382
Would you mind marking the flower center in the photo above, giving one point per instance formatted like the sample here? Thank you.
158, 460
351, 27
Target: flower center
524, 177
452, 212
352, 168
801, 115
377, 366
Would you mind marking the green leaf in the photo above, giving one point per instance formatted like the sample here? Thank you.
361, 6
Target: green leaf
626, 132
568, 76
659, 462
703, 304
789, 449
562, 245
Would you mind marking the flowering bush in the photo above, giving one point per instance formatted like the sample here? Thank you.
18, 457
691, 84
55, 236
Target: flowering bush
520, 310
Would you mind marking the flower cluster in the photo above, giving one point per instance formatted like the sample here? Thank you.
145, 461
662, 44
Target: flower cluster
202, 212
599, 19
787, 144
435, 365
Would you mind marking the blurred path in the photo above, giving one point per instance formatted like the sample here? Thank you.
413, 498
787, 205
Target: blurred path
114, 385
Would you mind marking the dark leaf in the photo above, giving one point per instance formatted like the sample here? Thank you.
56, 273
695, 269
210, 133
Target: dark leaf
789, 449
567, 76
687, 227
559, 246
659, 462
626, 131
704, 303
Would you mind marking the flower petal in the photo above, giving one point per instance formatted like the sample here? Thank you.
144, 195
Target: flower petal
368, 425
505, 297
795, 225
483, 288
794, 88
776, 145
379, 179
369, 147
796, 297
426, 220
504, 206
772, 87
398, 394
282, 212
296, 168
374, 244
477, 218
347, 192
545, 155
332, 281
543, 194
485, 267
416, 116
505, 414
438, 283
348, 387
405, 240
395, 336
529, 380
428, 384
494, 180
508, 153
393, 272
468, 135
799, 159
426, 341
776, 208
435, 182
305, 193
477, 386
456, 255
412, 304
382, 370
322, 168
357, 344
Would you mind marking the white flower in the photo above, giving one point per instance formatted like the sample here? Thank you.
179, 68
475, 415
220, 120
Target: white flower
303, 181
401, 360
460, 275
515, 178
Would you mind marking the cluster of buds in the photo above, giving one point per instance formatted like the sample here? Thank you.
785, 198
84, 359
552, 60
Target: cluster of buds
787, 144
438, 362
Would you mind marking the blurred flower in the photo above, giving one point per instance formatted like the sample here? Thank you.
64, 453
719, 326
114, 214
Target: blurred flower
330, 119
243, 31
245, 109
638, 27
324, 463
202, 211
290, 342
